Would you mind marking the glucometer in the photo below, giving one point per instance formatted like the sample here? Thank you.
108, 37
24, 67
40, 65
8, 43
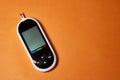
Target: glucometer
36, 44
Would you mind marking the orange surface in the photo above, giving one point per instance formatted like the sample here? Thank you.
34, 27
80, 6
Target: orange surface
84, 33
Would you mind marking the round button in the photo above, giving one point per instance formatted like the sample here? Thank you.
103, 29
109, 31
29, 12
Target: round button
49, 57
45, 62
42, 57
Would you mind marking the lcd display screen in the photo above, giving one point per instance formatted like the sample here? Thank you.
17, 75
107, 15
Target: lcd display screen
34, 39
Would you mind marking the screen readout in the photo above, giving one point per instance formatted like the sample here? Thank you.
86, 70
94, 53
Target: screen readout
33, 39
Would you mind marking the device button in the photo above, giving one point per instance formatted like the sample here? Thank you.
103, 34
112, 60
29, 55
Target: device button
45, 62
49, 57
42, 57
37, 62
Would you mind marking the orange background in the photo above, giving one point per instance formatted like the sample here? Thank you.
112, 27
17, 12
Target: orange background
84, 33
